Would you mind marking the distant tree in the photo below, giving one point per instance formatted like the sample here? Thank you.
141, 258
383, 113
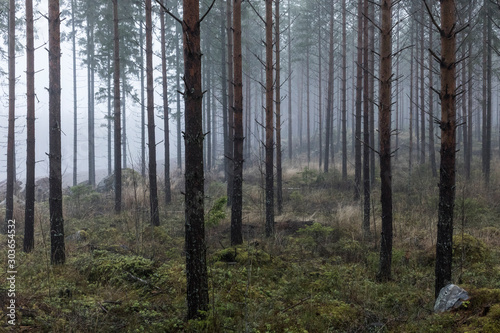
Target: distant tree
487, 91
359, 102
290, 128
344, 92
366, 128
117, 118
57, 251
329, 98
168, 192
29, 215
279, 168
196, 265
9, 199
385, 104
230, 104
432, 150
447, 95
75, 100
237, 202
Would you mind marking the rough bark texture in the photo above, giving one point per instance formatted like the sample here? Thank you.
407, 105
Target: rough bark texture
432, 149
448, 146
57, 252
290, 128
29, 242
279, 169
384, 273
153, 187
166, 130
196, 264
237, 204
359, 89
117, 118
230, 100
366, 129
269, 121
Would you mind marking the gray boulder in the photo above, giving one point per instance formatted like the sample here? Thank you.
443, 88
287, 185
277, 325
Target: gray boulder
450, 297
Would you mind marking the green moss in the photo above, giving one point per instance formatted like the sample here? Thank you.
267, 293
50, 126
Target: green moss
471, 249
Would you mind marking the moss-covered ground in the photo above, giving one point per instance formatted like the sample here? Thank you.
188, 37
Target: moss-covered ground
316, 274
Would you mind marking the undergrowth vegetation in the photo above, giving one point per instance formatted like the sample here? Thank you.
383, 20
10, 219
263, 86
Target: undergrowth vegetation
317, 274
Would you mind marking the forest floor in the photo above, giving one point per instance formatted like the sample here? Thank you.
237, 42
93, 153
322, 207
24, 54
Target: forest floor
317, 274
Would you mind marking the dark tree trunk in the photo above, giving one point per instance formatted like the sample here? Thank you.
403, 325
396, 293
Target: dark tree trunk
329, 98
196, 264
224, 98
385, 104
410, 157
9, 199
143, 100
153, 188
29, 218
487, 93
422, 89
371, 88
117, 116
269, 122
344, 92
178, 104
237, 202
166, 130
208, 106
124, 121
290, 128
359, 90
90, 97
57, 251
230, 98
109, 117
308, 107
469, 120
320, 96
432, 149
366, 129
279, 171
447, 124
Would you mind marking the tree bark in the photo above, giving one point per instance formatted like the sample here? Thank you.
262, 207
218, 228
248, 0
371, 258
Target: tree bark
237, 202
230, 99
366, 129
359, 90
447, 124
432, 149
29, 224
329, 98
75, 103
196, 265
344, 92
117, 108
153, 187
384, 273
269, 122
57, 251
279, 171
166, 130
290, 123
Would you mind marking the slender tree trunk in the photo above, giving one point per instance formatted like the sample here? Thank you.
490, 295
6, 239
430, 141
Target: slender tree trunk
57, 252
410, 158
359, 90
178, 104
117, 108
422, 89
385, 104
444, 243
308, 114
399, 127
366, 129
329, 100
166, 130
230, 109
290, 128
237, 202
344, 92
208, 106
143, 100
320, 97
371, 89
487, 87
196, 264
109, 117
90, 97
279, 171
153, 188
469, 120
75, 103
11, 170
29, 216
269, 122
124, 120
224, 97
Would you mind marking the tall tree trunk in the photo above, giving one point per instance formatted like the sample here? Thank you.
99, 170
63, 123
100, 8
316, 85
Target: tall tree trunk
166, 130
385, 104
444, 243
153, 188
208, 106
371, 88
320, 96
124, 120
57, 251
366, 129
29, 216
344, 92
432, 149
410, 157
469, 120
117, 109
230, 109
196, 264
422, 89
269, 122
486, 93
143, 100
178, 101
279, 171
290, 128
11, 170
75, 103
90, 98
109, 117
224, 97
308, 106
329, 99
237, 202
359, 90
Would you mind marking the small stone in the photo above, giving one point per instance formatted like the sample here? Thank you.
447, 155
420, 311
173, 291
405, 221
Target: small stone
450, 297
